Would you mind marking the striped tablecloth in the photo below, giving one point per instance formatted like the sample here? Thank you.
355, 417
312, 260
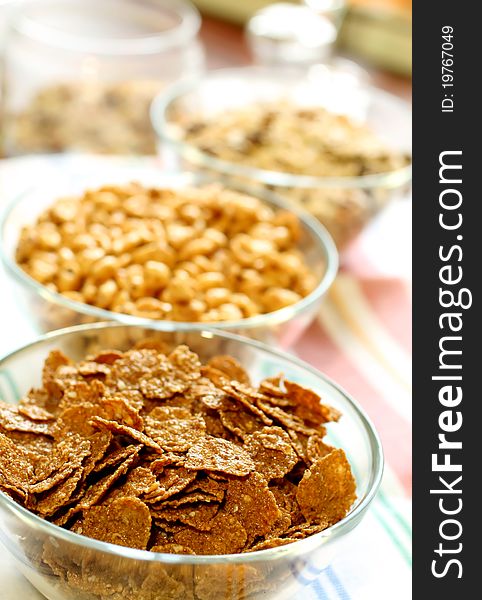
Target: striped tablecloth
361, 339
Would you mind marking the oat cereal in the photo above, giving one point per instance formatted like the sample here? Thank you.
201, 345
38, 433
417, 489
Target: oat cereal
108, 118
302, 141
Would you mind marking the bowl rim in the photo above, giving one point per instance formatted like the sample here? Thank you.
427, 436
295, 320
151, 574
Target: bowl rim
333, 532
173, 92
323, 239
182, 32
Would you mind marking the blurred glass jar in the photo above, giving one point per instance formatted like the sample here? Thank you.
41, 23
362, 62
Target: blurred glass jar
256, 126
80, 74
6, 7
284, 34
334, 10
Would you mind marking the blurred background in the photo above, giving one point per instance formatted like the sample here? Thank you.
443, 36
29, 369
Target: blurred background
377, 32
77, 79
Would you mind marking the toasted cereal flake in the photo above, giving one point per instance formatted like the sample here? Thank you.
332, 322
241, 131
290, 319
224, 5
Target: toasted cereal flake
207, 394
186, 498
316, 448
89, 367
289, 421
167, 459
106, 357
15, 470
172, 549
115, 427
215, 427
227, 536
247, 397
99, 489
281, 525
116, 408
198, 516
236, 580
125, 522
284, 492
304, 530
67, 456
171, 480
164, 384
76, 420
35, 413
240, 422
230, 367
186, 361
253, 504
54, 360
215, 376
35, 445
169, 413
140, 481
159, 579
210, 486
81, 392
308, 406
12, 420
38, 399
271, 451
60, 495
153, 343
126, 372
99, 443
299, 442
133, 398
174, 434
271, 386
215, 454
273, 542
160, 535
200, 490
327, 490
114, 458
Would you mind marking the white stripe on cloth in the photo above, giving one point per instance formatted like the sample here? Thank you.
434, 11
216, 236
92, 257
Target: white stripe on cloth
364, 322
379, 378
371, 567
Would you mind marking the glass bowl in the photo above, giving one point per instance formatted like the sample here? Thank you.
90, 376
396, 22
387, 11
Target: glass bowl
345, 205
87, 569
80, 75
49, 310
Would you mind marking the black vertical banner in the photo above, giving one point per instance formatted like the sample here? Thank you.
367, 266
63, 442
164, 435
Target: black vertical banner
447, 225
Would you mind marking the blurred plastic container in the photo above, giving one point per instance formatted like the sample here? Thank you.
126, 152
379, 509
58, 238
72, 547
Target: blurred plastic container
80, 74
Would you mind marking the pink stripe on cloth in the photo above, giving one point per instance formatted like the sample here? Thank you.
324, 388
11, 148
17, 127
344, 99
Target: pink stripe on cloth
316, 348
389, 299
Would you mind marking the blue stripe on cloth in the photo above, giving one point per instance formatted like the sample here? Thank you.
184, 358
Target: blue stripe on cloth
309, 577
337, 584
319, 591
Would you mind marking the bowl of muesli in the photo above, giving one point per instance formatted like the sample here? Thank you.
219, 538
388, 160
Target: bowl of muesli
168, 251
191, 465
328, 143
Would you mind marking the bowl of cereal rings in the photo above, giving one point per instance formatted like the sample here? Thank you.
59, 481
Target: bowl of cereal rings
171, 251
